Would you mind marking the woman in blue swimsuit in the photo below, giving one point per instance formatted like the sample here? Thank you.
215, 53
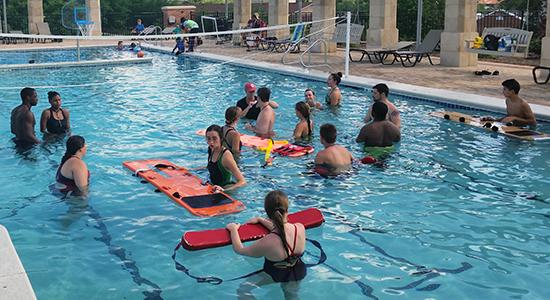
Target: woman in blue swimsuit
282, 248
55, 120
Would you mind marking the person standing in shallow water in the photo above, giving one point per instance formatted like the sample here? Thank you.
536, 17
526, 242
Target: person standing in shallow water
282, 248
334, 159
73, 177
380, 93
334, 97
55, 120
22, 119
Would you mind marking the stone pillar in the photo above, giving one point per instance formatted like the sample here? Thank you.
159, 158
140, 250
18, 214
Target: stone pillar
241, 14
278, 15
382, 31
35, 10
94, 15
323, 9
460, 25
545, 53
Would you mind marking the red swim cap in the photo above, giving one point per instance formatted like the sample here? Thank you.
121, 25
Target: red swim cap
249, 87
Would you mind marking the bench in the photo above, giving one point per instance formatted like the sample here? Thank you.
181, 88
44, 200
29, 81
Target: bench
520, 49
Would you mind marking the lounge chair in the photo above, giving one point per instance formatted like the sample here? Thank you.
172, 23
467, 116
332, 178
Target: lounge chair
542, 72
283, 45
44, 29
151, 29
411, 58
378, 55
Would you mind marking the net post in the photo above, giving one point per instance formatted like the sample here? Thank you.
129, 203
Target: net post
348, 40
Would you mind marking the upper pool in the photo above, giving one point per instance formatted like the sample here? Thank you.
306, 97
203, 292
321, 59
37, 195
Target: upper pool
454, 213
39, 56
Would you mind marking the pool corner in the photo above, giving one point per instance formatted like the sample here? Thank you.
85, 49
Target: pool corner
14, 283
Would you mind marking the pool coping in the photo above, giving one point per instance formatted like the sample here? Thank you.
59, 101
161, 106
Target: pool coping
82, 63
453, 99
14, 282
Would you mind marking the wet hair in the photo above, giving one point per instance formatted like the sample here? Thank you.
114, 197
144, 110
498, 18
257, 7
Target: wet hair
74, 143
512, 84
382, 88
303, 109
215, 128
133, 45
309, 90
264, 94
336, 77
26, 92
231, 114
52, 94
379, 111
276, 206
328, 133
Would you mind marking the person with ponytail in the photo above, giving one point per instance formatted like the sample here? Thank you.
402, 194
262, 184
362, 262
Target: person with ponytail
334, 97
55, 119
221, 164
72, 176
304, 127
282, 248
231, 137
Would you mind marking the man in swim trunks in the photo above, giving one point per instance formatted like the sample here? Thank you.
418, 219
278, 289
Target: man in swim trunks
249, 106
266, 117
334, 158
380, 93
380, 132
518, 111
22, 118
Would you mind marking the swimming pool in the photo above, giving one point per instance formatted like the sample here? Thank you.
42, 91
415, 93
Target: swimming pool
61, 55
454, 213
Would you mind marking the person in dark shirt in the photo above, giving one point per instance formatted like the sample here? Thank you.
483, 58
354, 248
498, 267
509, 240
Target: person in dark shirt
248, 105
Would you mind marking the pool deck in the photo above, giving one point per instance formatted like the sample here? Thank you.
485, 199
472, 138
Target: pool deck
424, 80
14, 283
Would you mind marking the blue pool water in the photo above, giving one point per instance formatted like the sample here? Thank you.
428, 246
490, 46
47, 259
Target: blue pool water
455, 212
49, 56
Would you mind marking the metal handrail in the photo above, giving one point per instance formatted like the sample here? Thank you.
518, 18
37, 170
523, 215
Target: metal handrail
289, 50
308, 50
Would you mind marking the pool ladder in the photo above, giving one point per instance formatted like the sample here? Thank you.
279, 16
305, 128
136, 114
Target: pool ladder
321, 42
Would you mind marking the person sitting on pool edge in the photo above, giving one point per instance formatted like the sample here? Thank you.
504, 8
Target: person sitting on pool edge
180, 45
334, 159
380, 93
303, 129
249, 104
334, 96
55, 120
72, 177
309, 97
221, 164
231, 137
282, 248
22, 119
380, 132
139, 27
266, 117
518, 111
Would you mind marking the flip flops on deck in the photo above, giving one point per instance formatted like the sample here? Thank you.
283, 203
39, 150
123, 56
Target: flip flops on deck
485, 72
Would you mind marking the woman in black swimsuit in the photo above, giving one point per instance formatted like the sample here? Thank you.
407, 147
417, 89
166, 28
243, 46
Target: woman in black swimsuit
55, 119
231, 137
282, 248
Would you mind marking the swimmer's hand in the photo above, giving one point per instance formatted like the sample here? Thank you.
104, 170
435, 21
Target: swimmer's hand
254, 220
487, 118
249, 126
252, 103
232, 227
217, 189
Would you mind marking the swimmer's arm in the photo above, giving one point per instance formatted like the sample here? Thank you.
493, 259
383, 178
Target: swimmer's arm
68, 116
368, 117
258, 249
396, 116
235, 145
298, 131
43, 121
335, 97
28, 128
273, 104
81, 177
229, 163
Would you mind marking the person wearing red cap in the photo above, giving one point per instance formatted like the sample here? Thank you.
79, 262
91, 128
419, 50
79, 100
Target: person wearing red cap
248, 104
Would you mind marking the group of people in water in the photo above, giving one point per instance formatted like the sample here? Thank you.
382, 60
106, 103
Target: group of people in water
285, 244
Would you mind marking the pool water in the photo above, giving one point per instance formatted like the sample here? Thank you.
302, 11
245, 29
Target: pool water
453, 213
63, 55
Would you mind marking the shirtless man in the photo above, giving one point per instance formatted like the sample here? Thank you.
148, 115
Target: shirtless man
266, 117
249, 106
334, 159
22, 119
381, 132
380, 94
518, 111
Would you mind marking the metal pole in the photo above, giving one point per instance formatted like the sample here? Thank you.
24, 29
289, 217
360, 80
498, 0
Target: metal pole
299, 3
419, 22
226, 11
348, 40
5, 28
78, 46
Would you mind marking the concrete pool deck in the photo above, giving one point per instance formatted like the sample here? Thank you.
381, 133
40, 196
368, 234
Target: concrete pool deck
14, 283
